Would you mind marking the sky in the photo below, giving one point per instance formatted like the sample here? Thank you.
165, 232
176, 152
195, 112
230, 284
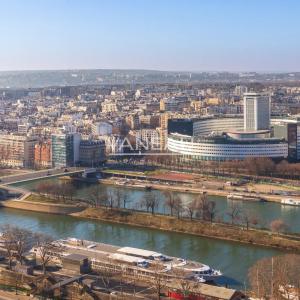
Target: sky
175, 35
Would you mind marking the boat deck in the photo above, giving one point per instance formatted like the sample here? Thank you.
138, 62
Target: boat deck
110, 253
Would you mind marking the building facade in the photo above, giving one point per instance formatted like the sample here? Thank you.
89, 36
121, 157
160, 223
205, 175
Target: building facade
91, 153
256, 111
224, 148
42, 154
17, 150
65, 149
102, 128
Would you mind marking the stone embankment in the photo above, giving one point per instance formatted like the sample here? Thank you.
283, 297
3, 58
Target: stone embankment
220, 231
62, 209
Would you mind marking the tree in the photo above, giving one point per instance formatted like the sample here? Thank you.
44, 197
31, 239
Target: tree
16, 242
125, 198
272, 277
46, 247
211, 210
278, 226
234, 211
150, 202
158, 281
24, 240
178, 206
191, 208
8, 243
111, 198
248, 218
170, 201
69, 191
183, 285
98, 196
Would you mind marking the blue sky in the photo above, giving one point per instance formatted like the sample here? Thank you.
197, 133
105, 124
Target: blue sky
194, 35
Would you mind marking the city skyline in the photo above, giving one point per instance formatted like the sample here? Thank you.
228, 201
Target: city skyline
193, 36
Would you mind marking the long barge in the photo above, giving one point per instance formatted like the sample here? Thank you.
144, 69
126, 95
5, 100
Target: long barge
132, 260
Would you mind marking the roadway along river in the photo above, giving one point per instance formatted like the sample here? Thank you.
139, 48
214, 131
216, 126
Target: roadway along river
263, 212
233, 259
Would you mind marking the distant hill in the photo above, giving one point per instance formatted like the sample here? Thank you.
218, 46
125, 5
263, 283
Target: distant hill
28, 79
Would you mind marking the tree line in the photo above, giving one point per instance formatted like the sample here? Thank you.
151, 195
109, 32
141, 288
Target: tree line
199, 208
255, 166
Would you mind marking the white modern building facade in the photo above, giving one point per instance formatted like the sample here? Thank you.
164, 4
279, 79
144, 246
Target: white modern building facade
225, 148
224, 139
256, 111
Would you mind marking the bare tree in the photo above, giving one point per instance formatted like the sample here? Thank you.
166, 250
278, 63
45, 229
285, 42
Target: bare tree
183, 285
211, 210
178, 207
276, 277
278, 226
16, 242
46, 249
170, 201
248, 218
98, 196
118, 197
234, 211
202, 204
158, 281
191, 208
8, 242
111, 198
69, 191
23, 241
150, 202
125, 199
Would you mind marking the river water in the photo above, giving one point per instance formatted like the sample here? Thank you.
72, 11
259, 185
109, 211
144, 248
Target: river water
232, 258
264, 212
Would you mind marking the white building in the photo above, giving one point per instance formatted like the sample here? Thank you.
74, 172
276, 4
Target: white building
224, 148
102, 128
256, 111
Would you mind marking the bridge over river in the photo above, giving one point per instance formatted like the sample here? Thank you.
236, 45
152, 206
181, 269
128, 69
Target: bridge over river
6, 181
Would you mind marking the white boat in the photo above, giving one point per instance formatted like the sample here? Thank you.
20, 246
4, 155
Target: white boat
140, 260
289, 201
242, 197
205, 273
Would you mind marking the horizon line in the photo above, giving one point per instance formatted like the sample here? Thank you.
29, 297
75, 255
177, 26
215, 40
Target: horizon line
151, 70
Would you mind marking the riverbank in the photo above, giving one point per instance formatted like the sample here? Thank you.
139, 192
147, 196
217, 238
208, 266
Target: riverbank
185, 188
219, 231
35, 203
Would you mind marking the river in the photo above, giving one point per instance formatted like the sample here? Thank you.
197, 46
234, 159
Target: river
232, 258
264, 212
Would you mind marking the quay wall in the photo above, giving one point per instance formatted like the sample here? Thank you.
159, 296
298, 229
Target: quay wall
42, 207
